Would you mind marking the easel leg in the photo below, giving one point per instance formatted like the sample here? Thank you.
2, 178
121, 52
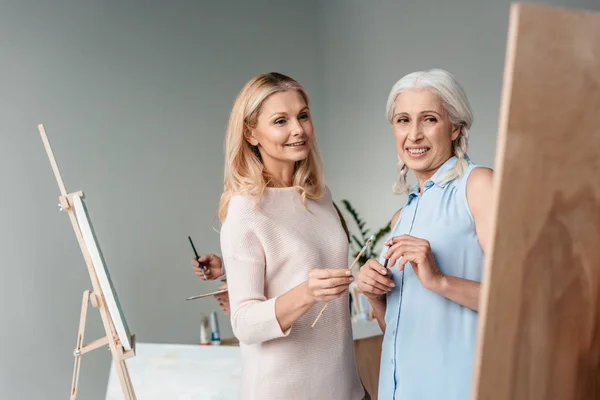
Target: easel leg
118, 356
120, 366
125, 379
77, 353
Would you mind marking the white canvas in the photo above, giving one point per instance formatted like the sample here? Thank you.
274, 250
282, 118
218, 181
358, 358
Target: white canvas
110, 295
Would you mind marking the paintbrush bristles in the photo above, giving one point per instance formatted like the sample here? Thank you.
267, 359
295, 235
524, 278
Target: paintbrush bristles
350, 268
361, 252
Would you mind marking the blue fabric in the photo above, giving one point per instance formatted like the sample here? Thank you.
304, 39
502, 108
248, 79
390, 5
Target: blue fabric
429, 344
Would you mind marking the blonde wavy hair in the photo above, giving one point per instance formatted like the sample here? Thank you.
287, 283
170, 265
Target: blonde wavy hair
244, 170
456, 103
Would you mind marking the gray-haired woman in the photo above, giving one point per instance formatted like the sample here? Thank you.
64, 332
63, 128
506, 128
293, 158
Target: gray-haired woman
427, 301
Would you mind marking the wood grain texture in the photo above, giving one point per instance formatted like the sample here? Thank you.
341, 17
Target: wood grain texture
367, 353
539, 332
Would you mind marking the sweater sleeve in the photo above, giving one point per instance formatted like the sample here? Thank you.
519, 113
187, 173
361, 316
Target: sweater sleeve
252, 315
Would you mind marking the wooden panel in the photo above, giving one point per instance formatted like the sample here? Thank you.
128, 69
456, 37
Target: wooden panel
539, 332
368, 358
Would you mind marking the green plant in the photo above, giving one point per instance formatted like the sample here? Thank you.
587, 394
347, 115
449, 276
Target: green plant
357, 243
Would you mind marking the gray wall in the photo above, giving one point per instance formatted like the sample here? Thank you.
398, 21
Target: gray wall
135, 100
367, 46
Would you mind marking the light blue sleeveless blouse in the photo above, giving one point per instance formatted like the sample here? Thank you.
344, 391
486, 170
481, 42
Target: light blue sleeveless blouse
429, 344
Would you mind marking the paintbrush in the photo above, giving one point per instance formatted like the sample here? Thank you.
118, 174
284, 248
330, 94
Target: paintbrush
350, 268
197, 257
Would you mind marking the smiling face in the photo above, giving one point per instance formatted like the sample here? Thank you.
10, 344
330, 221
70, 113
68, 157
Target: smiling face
423, 131
283, 132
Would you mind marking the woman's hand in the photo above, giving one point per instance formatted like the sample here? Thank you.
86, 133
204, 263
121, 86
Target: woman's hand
374, 279
223, 298
210, 264
418, 252
328, 283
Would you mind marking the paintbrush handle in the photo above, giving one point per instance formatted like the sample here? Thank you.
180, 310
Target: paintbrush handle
325, 306
350, 268
358, 256
354, 263
319, 316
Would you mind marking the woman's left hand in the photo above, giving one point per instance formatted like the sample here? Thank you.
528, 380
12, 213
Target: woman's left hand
223, 299
418, 252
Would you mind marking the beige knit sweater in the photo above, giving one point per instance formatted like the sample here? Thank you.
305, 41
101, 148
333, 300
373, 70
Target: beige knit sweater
267, 250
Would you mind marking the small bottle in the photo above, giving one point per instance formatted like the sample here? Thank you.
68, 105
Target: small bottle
204, 331
215, 334
364, 307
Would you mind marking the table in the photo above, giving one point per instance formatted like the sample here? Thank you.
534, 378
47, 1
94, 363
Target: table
161, 371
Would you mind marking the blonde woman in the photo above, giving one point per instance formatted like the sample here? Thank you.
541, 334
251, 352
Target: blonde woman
285, 250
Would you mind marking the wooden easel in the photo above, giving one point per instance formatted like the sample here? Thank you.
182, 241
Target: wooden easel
95, 298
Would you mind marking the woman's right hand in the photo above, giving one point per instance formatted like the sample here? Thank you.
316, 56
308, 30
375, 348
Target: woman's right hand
210, 263
328, 283
374, 279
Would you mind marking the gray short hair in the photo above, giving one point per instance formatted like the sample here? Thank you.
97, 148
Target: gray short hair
454, 100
